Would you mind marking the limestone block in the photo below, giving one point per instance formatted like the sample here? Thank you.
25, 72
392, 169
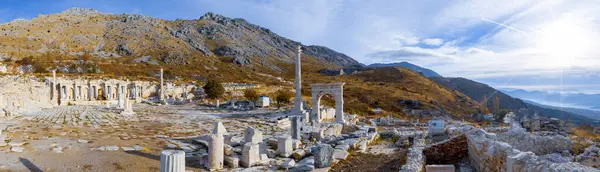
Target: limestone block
288, 163
250, 155
17, 149
172, 161
296, 144
340, 154
439, 168
228, 150
323, 156
298, 154
232, 162
284, 146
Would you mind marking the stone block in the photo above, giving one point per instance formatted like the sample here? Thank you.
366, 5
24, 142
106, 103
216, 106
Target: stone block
298, 154
232, 162
250, 155
340, 154
323, 156
296, 144
439, 168
284, 146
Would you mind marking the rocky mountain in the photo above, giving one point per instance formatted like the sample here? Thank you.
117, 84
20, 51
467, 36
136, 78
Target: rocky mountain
479, 92
423, 71
207, 40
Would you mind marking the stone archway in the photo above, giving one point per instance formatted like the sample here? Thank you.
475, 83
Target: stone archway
334, 89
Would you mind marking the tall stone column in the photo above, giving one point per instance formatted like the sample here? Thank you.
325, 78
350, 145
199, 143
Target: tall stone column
75, 91
172, 161
298, 109
339, 107
53, 91
162, 86
216, 152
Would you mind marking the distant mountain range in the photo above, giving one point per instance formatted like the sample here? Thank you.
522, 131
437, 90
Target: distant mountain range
579, 100
423, 71
584, 112
478, 91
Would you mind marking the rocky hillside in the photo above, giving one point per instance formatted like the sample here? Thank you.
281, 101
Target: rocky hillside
210, 39
393, 89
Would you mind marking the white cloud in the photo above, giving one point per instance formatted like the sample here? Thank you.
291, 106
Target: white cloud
433, 41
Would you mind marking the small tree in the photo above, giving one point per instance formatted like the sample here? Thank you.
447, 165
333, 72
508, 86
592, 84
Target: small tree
496, 104
251, 94
499, 116
213, 89
283, 97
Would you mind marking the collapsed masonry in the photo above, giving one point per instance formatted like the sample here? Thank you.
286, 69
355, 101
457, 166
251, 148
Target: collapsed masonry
299, 147
511, 151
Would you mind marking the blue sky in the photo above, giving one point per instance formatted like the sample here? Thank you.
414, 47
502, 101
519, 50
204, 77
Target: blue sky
532, 44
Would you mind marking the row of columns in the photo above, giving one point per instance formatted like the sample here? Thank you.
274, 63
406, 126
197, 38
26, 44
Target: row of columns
77, 92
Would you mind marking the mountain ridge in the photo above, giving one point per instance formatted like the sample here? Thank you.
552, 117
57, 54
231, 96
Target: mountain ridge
207, 39
423, 71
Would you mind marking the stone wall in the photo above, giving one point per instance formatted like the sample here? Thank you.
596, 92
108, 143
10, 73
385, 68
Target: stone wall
486, 153
540, 145
22, 95
447, 151
415, 161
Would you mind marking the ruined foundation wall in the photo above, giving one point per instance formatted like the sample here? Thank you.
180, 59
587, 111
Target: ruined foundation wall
415, 161
540, 145
486, 153
20, 95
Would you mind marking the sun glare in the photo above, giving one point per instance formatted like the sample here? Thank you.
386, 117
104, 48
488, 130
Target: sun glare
563, 41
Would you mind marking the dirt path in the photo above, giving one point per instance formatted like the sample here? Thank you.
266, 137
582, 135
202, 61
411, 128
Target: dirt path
370, 162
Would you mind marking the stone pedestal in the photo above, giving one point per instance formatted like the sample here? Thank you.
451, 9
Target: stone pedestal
216, 152
172, 161
250, 155
128, 108
284, 146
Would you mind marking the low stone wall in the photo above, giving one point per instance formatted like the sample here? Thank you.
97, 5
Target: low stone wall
540, 145
415, 161
447, 151
486, 153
